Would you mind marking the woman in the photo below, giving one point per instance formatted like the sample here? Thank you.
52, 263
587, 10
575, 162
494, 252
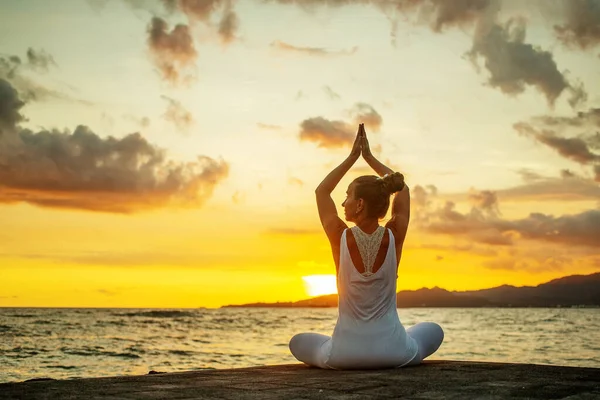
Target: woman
368, 332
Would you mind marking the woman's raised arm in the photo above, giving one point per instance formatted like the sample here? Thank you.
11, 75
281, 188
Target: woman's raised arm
327, 210
401, 203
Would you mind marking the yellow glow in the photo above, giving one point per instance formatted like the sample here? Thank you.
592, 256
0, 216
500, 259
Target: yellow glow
319, 285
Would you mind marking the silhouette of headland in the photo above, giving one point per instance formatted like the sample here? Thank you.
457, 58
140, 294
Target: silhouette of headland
569, 291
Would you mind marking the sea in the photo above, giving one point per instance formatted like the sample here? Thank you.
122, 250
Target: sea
66, 343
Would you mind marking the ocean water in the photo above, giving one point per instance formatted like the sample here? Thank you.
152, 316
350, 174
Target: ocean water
75, 343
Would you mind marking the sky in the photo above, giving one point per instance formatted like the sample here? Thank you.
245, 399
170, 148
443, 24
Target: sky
164, 153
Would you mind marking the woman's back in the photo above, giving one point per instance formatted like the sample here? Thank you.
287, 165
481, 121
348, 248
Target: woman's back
368, 333
367, 294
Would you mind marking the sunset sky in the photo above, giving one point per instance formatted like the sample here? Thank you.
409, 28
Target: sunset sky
164, 153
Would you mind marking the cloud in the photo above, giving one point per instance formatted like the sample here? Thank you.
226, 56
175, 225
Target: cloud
439, 14
312, 51
566, 187
177, 114
174, 52
580, 143
203, 10
81, 170
332, 95
582, 26
333, 133
326, 133
483, 224
575, 229
514, 64
364, 113
10, 106
575, 149
39, 59
229, 25
12, 69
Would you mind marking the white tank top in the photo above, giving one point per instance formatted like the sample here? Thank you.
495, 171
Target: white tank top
368, 332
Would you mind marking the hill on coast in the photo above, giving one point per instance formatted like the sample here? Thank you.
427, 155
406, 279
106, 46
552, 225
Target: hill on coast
569, 291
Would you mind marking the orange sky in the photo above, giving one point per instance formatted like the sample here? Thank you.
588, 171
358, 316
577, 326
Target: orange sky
168, 158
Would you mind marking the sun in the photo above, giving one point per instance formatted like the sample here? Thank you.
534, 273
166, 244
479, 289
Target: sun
319, 285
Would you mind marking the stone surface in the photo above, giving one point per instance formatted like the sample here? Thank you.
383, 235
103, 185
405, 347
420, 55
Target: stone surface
431, 380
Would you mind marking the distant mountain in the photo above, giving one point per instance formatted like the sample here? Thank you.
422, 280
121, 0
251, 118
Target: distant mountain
570, 291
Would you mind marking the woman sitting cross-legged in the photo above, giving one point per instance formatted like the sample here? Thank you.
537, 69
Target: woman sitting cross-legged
368, 333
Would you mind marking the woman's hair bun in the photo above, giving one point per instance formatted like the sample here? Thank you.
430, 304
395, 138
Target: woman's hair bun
393, 183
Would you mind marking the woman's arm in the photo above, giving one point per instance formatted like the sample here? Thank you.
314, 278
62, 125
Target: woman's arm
401, 203
327, 210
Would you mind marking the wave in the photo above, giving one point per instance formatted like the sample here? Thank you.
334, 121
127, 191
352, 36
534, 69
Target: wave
182, 352
95, 353
157, 314
22, 315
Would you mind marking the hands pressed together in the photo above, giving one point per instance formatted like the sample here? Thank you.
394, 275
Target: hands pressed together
361, 144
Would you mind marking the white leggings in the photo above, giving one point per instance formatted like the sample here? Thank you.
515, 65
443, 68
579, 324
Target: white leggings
311, 348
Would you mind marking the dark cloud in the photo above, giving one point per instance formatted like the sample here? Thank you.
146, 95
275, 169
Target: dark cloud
513, 64
575, 149
10, 106
313, 51
229, 25
177, 114
566, 186
82, 170
581, 28
577, 229
456, 13
11, 69
571, 137
582, 119
174, 52
40, 60
483, 224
